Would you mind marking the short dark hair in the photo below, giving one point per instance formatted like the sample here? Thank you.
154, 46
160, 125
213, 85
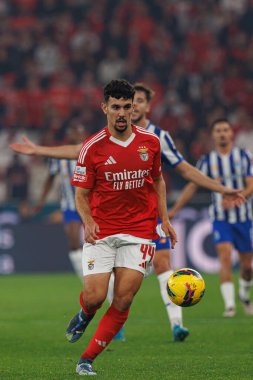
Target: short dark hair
119, 88
147, 90
219, 121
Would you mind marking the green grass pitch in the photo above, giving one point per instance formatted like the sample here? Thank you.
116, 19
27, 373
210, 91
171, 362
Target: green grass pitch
35, 310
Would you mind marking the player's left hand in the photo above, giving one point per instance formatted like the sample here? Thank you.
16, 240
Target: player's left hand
232, 198
170, 232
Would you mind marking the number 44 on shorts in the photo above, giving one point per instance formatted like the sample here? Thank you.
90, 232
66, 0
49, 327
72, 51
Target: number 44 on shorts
148, 252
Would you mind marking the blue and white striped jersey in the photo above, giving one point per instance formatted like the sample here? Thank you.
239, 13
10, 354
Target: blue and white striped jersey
231, 170
65, 168
170, 154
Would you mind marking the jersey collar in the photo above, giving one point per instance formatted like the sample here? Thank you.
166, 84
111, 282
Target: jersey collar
123, 143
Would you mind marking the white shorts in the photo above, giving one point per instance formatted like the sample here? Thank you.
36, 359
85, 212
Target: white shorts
119, 250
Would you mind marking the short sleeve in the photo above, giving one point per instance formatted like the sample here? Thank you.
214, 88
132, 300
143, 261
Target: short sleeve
247, 163
170, 155
84, 173
157, 166
202, 165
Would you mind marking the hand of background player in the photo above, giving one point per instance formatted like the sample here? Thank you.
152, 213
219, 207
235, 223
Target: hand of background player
27, 147
90, 231
170, 232
232, 198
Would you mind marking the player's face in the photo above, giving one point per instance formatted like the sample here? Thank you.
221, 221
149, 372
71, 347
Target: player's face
141, 107
118, 112
222, 134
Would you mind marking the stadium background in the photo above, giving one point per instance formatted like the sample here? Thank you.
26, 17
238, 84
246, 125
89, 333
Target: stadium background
55, 57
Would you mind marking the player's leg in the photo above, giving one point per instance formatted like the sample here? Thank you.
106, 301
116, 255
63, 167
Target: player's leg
162, 268
223, 240
97, 264
243, 243
245, 281
127, 283
224, 251
91, 299
110, 293
72, 227
120, 336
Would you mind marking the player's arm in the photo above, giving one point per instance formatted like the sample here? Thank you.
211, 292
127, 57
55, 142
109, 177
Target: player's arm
160, 188
29, 148
83, 208
172, 157
190, 173
185, 196
246, 192
194, 175
248, 189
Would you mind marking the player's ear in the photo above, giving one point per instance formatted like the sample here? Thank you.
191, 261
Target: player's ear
104, 108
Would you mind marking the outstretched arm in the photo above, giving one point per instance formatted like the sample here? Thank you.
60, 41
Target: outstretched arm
246, 192
185, 196
190, 173
29, 148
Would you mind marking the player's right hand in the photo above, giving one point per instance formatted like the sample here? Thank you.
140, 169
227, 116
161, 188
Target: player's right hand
90, 231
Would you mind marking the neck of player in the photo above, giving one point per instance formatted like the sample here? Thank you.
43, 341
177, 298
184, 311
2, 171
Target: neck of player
224, 149
143, 122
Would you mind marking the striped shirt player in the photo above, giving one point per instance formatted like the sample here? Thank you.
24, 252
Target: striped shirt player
171, 157
66, 169
230, 225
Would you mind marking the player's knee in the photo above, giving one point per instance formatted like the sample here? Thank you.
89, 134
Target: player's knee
124, 302
93, 299
73, 244
226, 261
93, 304
247, 273
161, 265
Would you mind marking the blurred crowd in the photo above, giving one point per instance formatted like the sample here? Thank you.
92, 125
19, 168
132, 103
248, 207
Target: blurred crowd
56, 55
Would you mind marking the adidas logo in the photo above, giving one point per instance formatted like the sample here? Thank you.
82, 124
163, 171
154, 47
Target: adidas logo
101, 343
110, 161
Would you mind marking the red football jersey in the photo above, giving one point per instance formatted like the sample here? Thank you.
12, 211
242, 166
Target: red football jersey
120, 174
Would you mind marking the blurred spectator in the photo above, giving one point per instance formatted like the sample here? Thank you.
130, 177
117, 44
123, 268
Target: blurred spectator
47, 56
244, 138
55, 54
17, 177
112, 66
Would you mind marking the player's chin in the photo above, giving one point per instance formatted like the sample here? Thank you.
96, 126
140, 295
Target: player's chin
120, 127
135, 118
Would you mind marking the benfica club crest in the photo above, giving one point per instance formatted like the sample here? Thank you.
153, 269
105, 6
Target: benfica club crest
91, 264
143, 151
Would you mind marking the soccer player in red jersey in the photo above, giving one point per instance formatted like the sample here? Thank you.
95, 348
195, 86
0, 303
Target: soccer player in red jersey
172, 158
120, 191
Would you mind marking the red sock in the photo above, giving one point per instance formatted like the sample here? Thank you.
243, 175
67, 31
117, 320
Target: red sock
91, 311
108, 326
